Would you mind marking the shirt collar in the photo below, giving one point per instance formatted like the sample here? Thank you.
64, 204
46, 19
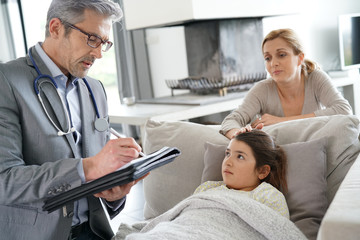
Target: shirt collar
54, 70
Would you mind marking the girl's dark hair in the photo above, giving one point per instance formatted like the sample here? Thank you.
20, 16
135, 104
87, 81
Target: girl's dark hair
266, 152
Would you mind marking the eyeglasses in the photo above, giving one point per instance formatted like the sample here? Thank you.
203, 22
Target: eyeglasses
93, 40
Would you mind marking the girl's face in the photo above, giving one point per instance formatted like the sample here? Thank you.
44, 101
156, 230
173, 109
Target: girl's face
281, 62
238, 167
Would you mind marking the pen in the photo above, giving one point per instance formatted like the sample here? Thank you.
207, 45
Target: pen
113, 131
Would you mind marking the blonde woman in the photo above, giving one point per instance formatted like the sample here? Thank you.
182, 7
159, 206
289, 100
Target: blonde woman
296, 89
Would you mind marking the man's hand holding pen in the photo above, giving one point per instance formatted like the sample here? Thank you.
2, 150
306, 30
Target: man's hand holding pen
118, 135
115, 154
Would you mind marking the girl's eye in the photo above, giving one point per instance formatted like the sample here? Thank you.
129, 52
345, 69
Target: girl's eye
240, 156
267, 59
282, 54
227, 154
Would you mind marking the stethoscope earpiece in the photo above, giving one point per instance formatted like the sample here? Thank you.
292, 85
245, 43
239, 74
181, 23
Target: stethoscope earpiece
61, 133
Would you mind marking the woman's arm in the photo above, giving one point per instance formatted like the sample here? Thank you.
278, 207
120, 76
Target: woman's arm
328, 96
268, 119
321, 92
245, 113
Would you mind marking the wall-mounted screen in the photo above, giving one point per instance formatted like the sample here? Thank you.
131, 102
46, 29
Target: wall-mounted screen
349, 40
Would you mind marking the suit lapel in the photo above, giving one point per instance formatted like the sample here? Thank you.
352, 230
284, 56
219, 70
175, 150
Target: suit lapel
97, 218
40, 64
53, 104
57, 113
52, 101
87, 118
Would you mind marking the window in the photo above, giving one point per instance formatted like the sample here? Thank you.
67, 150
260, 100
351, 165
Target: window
12, 40
104, 69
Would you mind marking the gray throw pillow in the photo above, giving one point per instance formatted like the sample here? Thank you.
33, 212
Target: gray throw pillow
168, 185
342, 132
213, 157
306, 196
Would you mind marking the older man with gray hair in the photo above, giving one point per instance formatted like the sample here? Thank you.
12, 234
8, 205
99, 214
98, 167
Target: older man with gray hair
54, 129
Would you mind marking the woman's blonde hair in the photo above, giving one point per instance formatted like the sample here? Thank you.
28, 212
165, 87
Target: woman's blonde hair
292, 39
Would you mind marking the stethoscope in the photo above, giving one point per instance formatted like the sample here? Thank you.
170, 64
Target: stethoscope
101, 124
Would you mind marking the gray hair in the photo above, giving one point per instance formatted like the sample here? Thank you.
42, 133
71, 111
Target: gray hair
72, 11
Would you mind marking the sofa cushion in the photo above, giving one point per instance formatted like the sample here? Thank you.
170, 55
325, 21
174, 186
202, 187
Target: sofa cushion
213, 157
168, 185
343, 145
342, 218
306, 196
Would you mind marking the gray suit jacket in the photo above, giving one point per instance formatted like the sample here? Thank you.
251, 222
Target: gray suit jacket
35, 163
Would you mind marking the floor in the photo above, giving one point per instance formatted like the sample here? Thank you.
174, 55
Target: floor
133, 211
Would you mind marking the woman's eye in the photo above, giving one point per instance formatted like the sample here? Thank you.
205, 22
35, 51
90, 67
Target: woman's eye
227, 154
267, 59
282, 54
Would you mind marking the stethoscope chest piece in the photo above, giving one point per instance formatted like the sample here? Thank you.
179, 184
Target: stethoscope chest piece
101, 124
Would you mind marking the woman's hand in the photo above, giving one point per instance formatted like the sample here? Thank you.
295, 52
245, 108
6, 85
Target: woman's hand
231, 133
248, 128
267, 120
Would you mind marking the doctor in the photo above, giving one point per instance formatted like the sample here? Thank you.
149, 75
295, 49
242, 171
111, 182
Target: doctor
62, 141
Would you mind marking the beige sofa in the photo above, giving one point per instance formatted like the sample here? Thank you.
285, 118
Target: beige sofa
320, 153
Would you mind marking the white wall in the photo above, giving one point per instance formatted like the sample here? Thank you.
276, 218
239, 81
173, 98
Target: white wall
173, 12
317, 26
167, 57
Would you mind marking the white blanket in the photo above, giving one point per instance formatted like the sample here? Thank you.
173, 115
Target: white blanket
220, 214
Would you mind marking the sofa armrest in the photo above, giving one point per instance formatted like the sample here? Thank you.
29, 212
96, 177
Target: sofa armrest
342, 219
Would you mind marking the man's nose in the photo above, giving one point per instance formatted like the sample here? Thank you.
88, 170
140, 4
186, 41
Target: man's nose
97, 52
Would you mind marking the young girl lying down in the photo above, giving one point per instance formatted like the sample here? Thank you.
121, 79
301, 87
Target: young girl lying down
256, 167
247, 204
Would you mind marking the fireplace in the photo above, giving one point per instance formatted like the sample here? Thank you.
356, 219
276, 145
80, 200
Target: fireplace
222, 56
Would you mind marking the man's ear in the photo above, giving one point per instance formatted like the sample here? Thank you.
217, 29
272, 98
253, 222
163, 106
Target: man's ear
264, 172
55, 28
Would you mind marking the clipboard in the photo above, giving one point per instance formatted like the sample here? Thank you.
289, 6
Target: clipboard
126, 174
